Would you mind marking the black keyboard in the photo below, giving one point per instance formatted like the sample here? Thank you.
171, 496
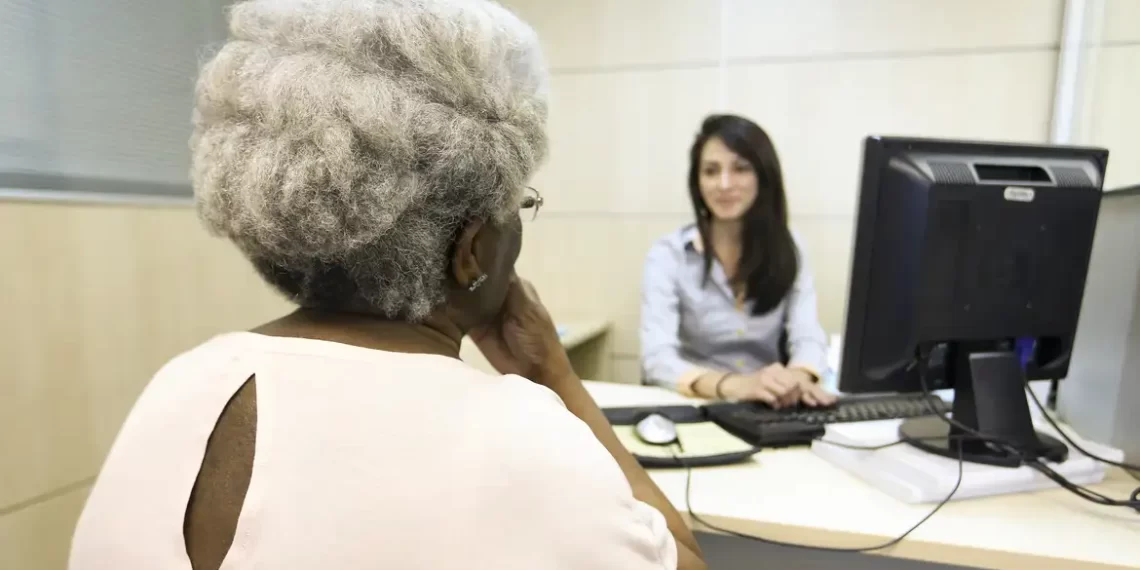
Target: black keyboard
763, 426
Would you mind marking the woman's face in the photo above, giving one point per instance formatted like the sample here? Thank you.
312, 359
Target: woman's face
728, 182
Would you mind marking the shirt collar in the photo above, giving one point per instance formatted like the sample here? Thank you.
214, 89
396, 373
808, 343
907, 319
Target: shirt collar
691, 239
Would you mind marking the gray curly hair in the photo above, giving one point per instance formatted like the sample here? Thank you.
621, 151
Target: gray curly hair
341, 144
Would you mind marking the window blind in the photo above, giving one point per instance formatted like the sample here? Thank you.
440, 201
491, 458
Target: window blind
95, 95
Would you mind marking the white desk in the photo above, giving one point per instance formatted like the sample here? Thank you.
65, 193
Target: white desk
793, 495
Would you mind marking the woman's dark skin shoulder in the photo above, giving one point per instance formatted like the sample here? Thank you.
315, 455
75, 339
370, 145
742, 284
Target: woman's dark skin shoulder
223, 480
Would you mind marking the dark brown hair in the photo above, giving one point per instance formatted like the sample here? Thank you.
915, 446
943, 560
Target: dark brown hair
769, 259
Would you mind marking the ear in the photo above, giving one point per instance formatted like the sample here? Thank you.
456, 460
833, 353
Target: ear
465, 267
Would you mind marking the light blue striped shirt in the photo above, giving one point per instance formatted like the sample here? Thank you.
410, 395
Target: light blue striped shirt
688, 328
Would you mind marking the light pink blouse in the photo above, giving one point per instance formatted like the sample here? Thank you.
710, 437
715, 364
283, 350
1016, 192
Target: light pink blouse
369, 459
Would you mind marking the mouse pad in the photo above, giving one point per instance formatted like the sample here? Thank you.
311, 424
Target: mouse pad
703, 444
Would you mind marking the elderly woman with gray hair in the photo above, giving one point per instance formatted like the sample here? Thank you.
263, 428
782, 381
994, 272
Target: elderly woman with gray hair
369, 158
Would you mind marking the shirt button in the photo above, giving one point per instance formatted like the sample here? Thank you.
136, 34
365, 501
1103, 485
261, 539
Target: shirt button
741, 332
740, 363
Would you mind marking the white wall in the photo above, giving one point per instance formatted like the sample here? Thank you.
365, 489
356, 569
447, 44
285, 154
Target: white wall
1110, 110
633, 79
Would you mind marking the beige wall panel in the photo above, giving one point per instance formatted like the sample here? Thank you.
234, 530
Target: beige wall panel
626, 370
827, 242
801, 28
1114, 114
587, 267
95, 299
607, 33
619, 142
1121, 21
39, 537
819, 112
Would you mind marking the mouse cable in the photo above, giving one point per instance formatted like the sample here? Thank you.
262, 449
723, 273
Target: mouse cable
693, 516
1033, 462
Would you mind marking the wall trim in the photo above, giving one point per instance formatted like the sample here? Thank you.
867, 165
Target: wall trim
45, 497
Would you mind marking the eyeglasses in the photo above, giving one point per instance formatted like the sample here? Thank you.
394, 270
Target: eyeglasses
531, 203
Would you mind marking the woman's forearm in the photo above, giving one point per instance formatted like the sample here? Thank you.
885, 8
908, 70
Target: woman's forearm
705, 385
716, 385
582, 405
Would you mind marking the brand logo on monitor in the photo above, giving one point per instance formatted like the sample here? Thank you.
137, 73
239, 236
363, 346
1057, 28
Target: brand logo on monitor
1019, 194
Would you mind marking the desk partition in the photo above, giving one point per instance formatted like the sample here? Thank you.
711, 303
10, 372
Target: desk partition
1102, 392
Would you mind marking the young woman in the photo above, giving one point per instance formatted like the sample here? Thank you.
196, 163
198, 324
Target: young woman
728, 306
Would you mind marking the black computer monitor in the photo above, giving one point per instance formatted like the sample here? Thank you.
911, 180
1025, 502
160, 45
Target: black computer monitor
968, 271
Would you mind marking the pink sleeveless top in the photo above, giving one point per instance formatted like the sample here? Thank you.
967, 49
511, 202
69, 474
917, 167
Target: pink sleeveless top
369, 459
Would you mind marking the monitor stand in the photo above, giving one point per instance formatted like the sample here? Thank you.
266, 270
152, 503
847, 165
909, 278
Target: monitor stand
989, 397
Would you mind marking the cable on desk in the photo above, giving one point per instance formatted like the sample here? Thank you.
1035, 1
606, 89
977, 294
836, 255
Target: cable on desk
1134, 499
1082, 491
883, 546
860, 447
1035, 463
1125, 466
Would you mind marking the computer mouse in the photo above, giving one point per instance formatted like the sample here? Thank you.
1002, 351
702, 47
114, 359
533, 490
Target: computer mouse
656, 429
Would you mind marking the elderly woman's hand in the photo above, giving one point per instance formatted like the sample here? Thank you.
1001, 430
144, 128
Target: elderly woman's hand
524, 340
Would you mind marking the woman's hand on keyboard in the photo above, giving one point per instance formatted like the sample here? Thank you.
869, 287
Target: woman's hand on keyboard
774, 385
779, 387
811, 393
